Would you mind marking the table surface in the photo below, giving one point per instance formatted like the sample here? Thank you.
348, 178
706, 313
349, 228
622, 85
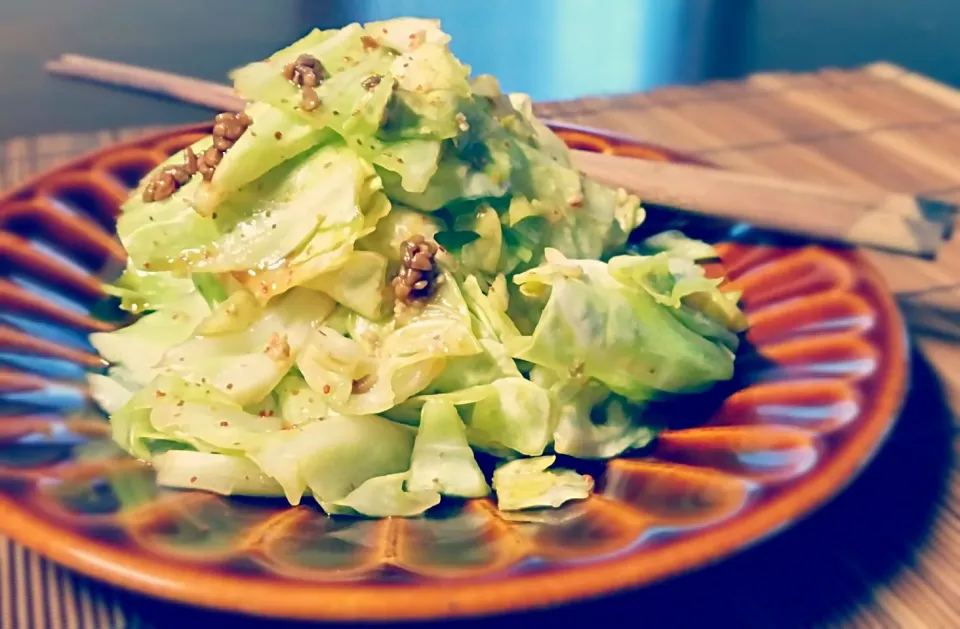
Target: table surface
886, 553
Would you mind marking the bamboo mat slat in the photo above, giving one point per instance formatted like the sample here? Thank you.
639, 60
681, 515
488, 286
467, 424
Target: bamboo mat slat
885, 554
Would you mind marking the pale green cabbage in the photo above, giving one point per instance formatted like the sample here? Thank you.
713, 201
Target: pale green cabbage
270, 357
529, 484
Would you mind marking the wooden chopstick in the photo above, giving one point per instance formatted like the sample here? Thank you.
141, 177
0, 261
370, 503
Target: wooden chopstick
206, 93
892, 222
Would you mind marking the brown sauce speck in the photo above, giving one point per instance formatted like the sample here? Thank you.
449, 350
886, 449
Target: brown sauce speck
417, 277
278, 348
190, 162
371, 82
310, 101
369, 43
364, 384
278, 135
169, 179
227, 129
306, 71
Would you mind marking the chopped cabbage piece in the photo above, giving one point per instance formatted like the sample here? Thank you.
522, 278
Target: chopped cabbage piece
528, 484
442, 460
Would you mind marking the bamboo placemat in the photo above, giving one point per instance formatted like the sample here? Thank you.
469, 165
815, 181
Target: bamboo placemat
886, 553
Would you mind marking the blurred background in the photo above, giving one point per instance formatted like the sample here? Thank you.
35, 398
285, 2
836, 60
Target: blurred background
552, 49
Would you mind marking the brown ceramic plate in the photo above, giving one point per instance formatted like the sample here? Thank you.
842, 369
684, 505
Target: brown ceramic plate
811, 403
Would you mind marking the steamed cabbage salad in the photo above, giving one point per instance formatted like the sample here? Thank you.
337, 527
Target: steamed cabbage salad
381, 268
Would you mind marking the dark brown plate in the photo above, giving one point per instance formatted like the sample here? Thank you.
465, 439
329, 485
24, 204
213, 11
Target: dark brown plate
813, 400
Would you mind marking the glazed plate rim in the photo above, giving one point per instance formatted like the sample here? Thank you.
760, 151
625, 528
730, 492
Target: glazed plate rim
265, 596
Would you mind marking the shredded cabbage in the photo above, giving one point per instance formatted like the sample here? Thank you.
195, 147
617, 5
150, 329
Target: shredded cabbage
384, 496
275, 353
616, 333
528, 484
217, 473
442, 460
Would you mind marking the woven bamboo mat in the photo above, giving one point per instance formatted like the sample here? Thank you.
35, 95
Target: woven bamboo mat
886, 553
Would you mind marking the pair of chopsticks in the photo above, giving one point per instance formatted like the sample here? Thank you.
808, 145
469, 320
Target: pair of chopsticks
182, 88
896, 223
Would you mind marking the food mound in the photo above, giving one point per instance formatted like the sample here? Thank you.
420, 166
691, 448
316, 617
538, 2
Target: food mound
383, 267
